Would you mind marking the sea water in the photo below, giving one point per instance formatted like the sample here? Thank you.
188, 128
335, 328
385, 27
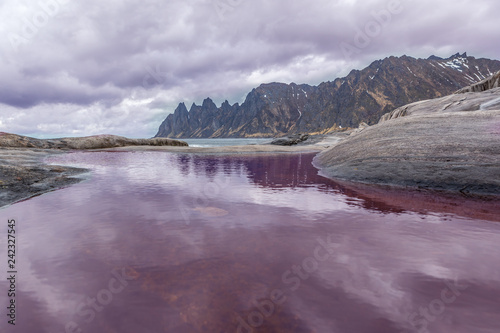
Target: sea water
226, 142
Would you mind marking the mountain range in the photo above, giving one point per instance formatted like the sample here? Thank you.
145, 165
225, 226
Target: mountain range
278, 109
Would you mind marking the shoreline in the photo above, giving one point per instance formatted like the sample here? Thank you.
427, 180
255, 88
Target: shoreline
24, 173
231, 150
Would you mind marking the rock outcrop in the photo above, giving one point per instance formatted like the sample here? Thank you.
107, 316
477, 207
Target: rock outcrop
486, 84
89, 142
290, 140
277, 109
450, 144
23, 174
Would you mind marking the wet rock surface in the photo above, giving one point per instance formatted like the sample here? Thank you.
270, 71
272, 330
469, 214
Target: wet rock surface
23, 174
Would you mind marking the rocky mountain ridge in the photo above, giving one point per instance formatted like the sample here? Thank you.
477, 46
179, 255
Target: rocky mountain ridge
277, 109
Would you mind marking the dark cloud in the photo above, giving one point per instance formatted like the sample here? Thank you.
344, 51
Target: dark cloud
133, 61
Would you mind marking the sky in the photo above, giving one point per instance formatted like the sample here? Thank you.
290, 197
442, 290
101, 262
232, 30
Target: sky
77, 68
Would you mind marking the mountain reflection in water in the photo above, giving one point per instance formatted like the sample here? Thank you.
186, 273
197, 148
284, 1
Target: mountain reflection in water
160, 242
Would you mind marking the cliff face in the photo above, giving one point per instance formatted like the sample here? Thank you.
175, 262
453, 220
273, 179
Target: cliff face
277, 109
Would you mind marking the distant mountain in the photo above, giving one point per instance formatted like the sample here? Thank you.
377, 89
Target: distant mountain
276, 109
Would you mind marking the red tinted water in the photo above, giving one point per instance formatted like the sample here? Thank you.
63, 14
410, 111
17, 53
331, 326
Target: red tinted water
158, 242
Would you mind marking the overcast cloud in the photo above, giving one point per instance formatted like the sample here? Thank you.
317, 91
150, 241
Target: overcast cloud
72, 68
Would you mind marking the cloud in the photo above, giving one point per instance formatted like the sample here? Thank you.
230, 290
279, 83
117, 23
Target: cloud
93, 58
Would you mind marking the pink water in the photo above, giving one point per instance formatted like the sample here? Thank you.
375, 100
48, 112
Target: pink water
159, 242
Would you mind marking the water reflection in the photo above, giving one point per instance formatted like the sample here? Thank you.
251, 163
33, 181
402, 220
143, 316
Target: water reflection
158, 242
294, 171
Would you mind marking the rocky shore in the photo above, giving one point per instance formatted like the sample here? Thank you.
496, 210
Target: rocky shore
23, 174
450, 144
89, 142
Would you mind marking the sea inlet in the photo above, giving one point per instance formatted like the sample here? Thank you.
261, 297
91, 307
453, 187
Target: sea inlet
166, 242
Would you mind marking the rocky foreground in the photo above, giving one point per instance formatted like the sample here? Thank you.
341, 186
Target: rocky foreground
23, 174
450, 144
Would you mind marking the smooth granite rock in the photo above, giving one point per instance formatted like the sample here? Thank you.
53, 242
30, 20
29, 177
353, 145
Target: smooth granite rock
450, 143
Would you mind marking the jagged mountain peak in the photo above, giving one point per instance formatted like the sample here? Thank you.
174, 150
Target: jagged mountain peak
433, 57
275, 109
181, 107
208, 103
456, 55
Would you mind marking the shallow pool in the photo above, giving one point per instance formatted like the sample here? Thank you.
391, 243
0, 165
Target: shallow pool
161, 242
